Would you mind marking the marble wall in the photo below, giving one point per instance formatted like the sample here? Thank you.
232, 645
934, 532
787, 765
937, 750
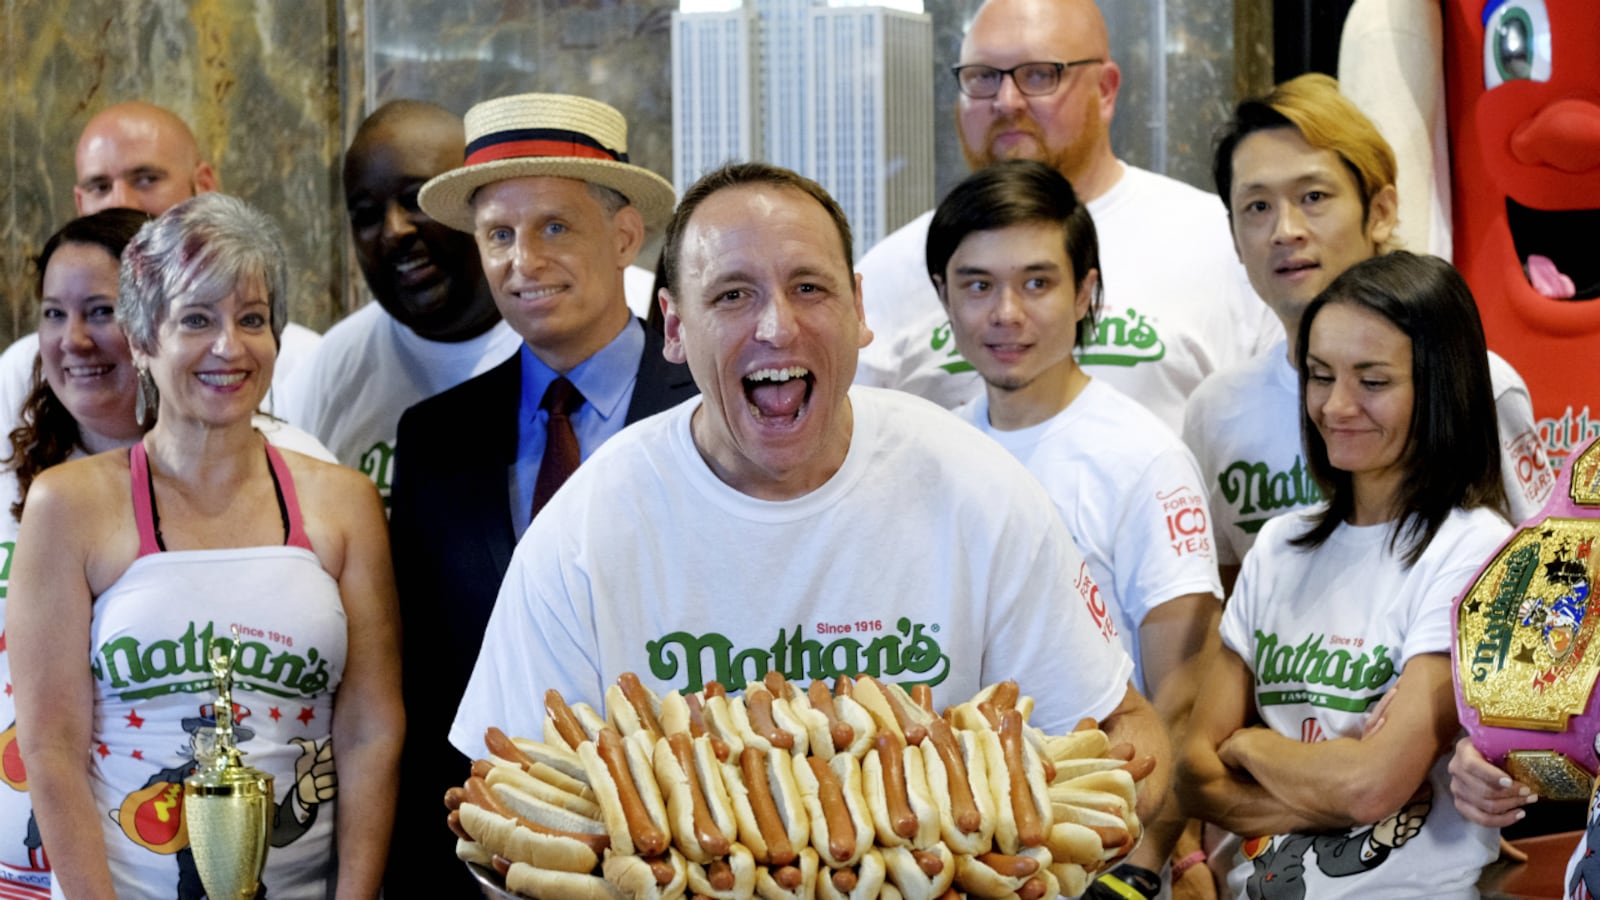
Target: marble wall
260, 83
273, 89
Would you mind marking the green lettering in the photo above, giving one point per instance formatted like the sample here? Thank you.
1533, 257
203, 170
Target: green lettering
807, 653
160, 658
664, 661
1238, 482
129, 648
8, 548
832, 666
1382, 667
750, 665
923, 654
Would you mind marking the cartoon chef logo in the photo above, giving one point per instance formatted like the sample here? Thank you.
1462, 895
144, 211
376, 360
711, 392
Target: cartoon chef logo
1524, 100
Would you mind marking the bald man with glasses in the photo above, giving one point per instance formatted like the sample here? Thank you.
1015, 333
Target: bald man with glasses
1038, 82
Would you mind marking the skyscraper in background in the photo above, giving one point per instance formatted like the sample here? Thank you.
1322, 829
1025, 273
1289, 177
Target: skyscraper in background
841, 92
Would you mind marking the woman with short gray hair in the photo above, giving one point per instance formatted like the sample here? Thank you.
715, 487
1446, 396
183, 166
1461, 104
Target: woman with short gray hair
142, 558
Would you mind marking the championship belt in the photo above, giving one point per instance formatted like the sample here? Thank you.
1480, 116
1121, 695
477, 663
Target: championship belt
1526, 653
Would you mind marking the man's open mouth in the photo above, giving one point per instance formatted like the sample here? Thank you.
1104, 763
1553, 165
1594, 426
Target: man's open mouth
1559, 250
778, 393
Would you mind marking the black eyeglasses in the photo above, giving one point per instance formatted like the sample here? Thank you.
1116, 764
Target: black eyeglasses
1033, 79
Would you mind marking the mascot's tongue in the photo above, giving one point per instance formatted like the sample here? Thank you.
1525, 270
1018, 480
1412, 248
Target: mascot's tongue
778, 398
1548, 280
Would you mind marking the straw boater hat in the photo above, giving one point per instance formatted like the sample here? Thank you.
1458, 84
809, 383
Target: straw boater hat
545, 134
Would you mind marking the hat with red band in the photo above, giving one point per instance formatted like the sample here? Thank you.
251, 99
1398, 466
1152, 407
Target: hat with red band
545, 134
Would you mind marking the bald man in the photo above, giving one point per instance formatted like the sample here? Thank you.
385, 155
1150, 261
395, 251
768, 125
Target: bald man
434, 324
1038, 82
136, 155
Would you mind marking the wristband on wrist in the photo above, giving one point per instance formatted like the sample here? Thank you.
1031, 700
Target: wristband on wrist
1181, 867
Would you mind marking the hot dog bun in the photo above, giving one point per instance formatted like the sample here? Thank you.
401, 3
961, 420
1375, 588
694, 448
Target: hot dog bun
738, 864
545, 793
893, 709
768, 805
996, 875
510, 786
625, 787
910, 870
550, 884
961, 794
896, 787
698, 806
771, 880
866, 879
635, 878
503, 836
841, 826
1017, 781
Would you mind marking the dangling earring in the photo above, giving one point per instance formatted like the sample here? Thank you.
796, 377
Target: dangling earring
145, 399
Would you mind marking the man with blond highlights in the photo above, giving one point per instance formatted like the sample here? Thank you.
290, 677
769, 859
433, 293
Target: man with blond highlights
1309, 186
1038, 82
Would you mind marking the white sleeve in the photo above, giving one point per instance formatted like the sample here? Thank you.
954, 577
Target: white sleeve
1443, 574
1055, 636
1255, 581
1164, 545
1197, 424
532, 643
1524, 468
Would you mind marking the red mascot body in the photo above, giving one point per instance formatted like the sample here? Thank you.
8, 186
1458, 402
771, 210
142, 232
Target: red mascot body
1523, 89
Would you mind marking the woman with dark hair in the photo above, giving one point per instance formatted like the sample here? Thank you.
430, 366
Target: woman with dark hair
1328, 716
81, 403
139, 559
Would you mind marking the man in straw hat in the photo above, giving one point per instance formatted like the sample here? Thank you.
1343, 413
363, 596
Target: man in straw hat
795, 524
558, 213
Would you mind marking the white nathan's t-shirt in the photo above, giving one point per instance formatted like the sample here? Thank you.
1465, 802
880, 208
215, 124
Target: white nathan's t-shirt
1244, 428
369, 370
1131, 496
1178, 305
1325, 633
930, 556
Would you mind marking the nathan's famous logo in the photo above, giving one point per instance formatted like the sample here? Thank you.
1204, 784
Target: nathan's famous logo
129, 667
1125, 340
1500, 620
378, 464
7, 548
944, 341
908, 650
1254, 490
1348, 668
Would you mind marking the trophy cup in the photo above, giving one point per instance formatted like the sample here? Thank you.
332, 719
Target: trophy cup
228, 805
1527, 660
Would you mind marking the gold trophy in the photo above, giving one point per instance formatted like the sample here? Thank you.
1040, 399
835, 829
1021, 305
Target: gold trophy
228, 805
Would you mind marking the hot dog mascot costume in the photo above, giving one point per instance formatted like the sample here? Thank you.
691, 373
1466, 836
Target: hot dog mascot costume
1523, 87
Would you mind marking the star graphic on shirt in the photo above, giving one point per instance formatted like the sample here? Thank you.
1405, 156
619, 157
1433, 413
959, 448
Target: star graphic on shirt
2, 642
306, 715
138, 754
274, 714
8, 689
103, 750
134, 719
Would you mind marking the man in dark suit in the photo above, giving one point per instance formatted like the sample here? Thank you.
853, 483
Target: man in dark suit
557, 213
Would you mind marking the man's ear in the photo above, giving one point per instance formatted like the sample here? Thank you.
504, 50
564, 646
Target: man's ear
1383, 217
628, 226
205, 179
861, 314
1110, 84
1085, 298
672, 343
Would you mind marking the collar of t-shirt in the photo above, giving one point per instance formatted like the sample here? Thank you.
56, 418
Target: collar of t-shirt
606, 382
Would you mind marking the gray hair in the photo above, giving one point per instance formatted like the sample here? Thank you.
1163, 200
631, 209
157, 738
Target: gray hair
203, 248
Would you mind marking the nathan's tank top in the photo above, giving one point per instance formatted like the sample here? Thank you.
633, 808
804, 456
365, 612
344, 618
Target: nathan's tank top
154, 694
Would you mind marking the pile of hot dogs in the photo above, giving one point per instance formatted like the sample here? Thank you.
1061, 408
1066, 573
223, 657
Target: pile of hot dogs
856, 792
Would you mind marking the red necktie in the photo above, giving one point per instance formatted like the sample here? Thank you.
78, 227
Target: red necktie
561, 454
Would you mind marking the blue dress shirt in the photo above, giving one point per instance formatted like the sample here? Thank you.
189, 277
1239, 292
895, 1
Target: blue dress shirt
606, 382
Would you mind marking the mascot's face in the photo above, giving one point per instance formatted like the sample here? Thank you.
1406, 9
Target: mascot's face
1524, 97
